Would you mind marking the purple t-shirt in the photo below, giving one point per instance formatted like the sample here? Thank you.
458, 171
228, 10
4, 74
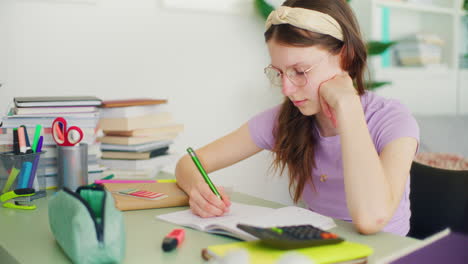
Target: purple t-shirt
386, 119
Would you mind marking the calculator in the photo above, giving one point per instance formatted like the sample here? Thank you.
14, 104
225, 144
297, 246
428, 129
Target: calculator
291, 237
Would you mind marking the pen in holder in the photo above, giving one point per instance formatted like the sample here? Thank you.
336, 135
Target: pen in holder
72, 166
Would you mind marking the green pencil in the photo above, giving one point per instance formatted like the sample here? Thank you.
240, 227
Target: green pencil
200, 168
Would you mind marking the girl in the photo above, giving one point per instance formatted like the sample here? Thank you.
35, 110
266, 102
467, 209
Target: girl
347, 152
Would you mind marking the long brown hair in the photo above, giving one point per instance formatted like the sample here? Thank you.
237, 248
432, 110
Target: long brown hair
294, 132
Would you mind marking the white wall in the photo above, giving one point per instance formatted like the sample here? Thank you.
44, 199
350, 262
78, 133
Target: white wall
463, 97
209, 66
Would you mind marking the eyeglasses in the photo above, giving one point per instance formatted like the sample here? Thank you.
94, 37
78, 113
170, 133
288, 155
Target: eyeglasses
296, 76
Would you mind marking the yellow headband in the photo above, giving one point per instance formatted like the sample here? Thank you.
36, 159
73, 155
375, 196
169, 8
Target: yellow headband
306, 19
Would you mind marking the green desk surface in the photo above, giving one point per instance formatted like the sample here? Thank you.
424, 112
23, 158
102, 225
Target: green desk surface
25, 236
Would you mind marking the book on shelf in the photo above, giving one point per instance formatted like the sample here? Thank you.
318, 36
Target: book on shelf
132, 123
39, 101
166, 128
53, 110
134, 155
427, 38
136, 140
136, 148
419, 48
156, 162
132, 102
419, 61
251, 215
345, 252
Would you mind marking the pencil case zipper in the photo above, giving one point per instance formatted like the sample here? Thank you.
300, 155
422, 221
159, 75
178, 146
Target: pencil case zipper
99, 227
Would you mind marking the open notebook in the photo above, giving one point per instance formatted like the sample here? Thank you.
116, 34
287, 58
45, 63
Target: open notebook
249, 214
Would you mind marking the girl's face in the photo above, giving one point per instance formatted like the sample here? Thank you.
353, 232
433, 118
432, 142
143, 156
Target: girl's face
323, 66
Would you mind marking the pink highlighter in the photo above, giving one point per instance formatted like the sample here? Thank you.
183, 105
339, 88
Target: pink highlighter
173, 239
22, 140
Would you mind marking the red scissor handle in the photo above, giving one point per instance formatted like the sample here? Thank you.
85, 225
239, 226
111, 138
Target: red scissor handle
63, 136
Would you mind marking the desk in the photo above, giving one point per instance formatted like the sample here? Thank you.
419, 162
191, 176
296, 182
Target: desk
25, 237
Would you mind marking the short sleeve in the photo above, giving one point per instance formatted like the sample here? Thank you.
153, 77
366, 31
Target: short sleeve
389, 120
261, 127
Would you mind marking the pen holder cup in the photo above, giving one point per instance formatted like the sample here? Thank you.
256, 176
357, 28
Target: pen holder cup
21, 171
72, 166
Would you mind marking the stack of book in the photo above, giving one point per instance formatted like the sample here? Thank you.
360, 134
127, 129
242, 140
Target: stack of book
419, 50
81, 111
137, 136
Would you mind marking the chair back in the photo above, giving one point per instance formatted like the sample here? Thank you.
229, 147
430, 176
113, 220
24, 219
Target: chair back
439, 199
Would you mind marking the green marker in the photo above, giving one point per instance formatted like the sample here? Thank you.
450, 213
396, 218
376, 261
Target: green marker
277, 230
37, 135
13, 174
200, 168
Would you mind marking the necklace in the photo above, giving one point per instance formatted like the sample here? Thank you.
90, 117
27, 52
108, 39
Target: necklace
323, 177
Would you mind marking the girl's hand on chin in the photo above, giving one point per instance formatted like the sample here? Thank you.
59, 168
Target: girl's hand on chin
333, 91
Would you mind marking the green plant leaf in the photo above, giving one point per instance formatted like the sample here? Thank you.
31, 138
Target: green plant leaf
377, 47
263, 8
375, 85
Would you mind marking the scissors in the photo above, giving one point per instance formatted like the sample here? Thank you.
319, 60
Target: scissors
63, 136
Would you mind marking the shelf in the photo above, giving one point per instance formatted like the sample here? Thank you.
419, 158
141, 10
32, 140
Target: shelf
416, 7
397, 19
409, 72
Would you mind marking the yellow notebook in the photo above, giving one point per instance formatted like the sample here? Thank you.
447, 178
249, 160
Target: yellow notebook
344, 252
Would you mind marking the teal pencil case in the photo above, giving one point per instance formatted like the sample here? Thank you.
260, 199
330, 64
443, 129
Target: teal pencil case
87, 226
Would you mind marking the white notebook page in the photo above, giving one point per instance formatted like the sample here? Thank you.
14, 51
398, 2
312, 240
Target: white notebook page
252, 215
237, 211
291, 215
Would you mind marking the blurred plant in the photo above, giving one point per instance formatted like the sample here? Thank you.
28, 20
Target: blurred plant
374, 48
